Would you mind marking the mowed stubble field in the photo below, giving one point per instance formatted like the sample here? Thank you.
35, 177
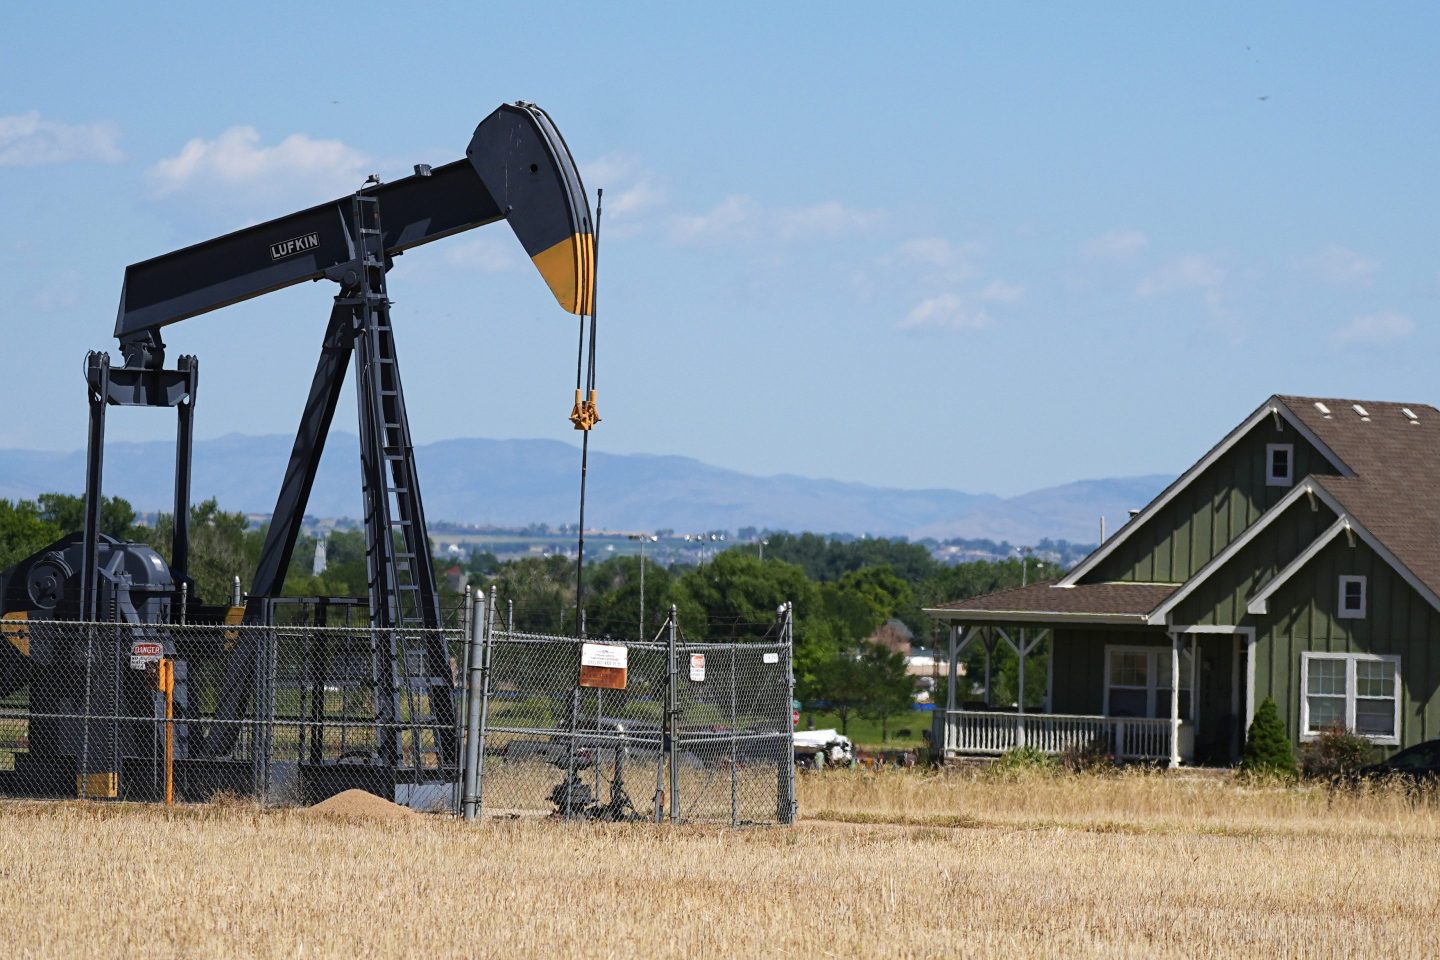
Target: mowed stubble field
882, 865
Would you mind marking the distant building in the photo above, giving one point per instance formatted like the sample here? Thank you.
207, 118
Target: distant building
318, 567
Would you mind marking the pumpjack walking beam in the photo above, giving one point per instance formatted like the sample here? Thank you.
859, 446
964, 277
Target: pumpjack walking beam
517, 168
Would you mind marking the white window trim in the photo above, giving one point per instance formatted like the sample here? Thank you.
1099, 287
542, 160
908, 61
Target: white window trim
1344, 613
1350, 687
1155, 673
1270, 479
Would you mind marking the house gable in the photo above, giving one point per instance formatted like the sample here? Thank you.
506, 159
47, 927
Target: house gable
1221, 598
1209, 507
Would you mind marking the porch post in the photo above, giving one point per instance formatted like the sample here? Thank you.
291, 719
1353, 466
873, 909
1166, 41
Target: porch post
948, 742
1020, 694
1175, 642
952, 669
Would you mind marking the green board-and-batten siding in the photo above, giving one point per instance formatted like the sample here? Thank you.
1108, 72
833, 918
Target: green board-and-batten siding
1302, 618
1221, 599
1213, 509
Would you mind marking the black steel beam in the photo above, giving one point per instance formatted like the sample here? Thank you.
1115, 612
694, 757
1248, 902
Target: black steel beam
295, 248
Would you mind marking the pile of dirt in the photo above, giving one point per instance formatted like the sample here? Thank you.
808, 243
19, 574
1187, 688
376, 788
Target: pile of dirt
359, 805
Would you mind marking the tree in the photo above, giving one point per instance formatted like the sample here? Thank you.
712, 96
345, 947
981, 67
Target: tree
23, 531
66, 511
867, 679
218, 549
889, 688
1268, 752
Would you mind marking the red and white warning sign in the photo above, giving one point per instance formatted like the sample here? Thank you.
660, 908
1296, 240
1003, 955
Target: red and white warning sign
145, 652
697, 667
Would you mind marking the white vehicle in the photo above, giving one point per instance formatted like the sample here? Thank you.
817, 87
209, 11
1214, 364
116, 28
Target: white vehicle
822, 748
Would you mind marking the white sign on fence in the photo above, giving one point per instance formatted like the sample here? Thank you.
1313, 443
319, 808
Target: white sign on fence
604, 665
697, 667
770, 658
610, 655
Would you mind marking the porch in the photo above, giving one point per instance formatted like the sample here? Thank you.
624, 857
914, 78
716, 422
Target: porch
1086, 678
991, 733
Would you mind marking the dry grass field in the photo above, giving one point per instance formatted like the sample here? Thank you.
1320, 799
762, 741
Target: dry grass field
882, 865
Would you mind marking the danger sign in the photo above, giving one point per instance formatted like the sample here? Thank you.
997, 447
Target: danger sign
145, 652
697, 667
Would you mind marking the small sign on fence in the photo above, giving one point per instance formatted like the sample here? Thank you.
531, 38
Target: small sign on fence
697, 667
604, 665
143, 653
770, 658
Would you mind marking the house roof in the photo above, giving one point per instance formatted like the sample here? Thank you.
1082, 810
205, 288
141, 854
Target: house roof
1396, 462
1046, 601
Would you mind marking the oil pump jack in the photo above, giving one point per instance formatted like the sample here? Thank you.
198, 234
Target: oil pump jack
516, 168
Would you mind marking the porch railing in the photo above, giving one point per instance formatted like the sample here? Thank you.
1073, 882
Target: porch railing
986, 733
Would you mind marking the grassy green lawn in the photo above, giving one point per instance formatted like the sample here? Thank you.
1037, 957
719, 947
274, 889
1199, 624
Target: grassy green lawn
905, 729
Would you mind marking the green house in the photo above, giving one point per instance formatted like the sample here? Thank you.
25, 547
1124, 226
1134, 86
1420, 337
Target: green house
1299, 559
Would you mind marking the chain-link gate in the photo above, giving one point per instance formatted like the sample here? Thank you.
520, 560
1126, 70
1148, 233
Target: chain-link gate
612, 729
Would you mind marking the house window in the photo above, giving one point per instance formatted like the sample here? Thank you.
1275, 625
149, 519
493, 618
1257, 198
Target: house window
1279, 464
1352, 598
1137, 682
1353, 691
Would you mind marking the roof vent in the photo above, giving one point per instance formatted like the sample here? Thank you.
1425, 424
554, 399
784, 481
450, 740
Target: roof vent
1364, 414
1410, 415
1323, 409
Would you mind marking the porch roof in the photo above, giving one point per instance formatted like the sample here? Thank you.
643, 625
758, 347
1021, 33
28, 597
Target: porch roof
1048, 602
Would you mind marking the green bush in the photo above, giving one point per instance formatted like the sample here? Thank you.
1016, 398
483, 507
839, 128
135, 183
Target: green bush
1268, 753
1022, 761
1335, 753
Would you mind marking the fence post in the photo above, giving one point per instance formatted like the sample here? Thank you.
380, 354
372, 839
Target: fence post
672, 719
735, 743
473, 700
786, 812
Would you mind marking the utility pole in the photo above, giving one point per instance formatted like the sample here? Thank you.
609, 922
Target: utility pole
644, 538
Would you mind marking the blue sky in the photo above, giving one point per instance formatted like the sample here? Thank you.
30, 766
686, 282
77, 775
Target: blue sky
991, 247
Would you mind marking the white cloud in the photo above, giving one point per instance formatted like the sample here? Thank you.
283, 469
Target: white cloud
1191, 272
1341, 267
27, 140
733, 218
1001, 291
741, 217
947, 311
1119, 244
236, 171
1376, 329
825, 220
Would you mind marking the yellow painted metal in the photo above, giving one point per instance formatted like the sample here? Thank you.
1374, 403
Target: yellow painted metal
585, 414
568, 268
165, 683
105, 785
17, 633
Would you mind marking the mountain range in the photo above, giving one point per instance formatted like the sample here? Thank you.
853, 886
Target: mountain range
517, 482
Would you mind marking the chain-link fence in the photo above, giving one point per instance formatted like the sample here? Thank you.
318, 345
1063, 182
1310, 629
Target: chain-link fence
289, 712
315, 701
626, 730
